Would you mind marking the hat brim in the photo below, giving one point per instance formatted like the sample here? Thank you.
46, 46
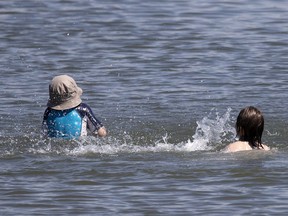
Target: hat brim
71, 103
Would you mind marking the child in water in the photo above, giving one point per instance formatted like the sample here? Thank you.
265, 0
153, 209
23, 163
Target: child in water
66, 116
249, 128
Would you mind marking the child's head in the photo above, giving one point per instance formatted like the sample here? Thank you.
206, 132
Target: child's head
64, 93
250, 125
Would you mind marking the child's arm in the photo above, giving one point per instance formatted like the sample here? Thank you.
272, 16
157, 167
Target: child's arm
93, 124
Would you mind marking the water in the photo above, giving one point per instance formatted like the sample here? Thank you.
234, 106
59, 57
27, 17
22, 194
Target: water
167, 78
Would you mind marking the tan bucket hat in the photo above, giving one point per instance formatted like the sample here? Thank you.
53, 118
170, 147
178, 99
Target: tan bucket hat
64, 93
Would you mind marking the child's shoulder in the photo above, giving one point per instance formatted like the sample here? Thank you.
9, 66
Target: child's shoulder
238, 146
84, 108
84, 104
241, 146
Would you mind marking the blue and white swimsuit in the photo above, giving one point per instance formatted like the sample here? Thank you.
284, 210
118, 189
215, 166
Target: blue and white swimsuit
70, 123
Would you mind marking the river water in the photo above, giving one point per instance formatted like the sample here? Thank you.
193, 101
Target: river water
167, 79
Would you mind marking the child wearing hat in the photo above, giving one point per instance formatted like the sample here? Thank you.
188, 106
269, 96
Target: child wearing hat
66, 116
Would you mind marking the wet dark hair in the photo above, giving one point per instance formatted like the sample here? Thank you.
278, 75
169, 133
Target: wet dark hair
250, 125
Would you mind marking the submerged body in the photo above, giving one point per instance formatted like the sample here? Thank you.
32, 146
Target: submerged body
71, 123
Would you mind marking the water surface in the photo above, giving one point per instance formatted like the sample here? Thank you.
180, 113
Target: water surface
167, 79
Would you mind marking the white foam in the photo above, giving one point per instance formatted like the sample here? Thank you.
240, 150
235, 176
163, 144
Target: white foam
211, 130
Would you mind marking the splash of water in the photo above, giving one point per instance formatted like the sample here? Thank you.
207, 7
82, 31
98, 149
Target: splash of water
211, 131
113, 146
